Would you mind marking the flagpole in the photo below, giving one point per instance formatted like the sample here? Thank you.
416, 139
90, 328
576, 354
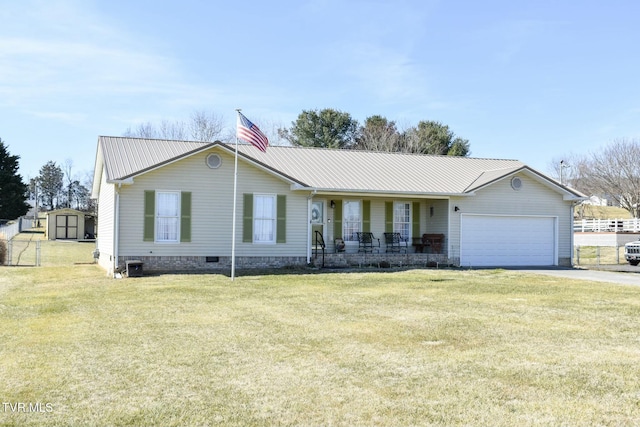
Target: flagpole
235, 189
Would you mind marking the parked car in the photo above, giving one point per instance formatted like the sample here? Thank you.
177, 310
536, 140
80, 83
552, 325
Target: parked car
632, 252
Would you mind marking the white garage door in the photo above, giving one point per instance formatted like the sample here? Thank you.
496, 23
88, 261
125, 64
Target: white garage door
507, 241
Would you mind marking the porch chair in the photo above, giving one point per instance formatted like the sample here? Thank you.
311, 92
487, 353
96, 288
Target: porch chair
367, 242
395, 243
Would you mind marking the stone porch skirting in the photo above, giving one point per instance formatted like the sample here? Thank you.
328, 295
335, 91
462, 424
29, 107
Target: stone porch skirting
342, 260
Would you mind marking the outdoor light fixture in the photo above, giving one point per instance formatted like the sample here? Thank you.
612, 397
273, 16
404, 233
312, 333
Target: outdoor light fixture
456, 208
333, 204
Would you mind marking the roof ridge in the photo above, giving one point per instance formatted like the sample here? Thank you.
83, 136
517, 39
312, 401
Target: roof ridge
318, 148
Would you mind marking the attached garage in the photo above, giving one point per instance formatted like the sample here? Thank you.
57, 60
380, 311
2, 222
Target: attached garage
503, 240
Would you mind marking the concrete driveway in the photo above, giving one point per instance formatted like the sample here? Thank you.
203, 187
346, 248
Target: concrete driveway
613, 274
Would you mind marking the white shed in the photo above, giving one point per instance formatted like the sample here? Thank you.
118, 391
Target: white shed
69, 224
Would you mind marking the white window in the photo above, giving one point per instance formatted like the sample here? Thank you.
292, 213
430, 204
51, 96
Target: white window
351, 220
264, 218
402, 219
167, 216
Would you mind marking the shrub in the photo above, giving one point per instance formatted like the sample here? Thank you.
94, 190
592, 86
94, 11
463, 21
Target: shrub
3, 251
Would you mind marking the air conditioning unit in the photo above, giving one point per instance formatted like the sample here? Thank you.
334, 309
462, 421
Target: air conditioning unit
134, 268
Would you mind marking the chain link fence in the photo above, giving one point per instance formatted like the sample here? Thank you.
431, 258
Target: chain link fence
598, 255
31, 250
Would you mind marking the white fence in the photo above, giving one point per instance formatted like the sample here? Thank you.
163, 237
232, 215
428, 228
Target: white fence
607, 225
7, 232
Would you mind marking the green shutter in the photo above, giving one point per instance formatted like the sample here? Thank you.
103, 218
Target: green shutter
415, 232
247, 218
388, 217
149, 216
337, 220
281, 219
185, 216
366, 215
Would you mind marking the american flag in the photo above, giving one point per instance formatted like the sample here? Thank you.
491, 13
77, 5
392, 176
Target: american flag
249, 132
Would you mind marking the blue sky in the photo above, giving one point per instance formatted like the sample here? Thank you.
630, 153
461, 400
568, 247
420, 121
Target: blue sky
526, 80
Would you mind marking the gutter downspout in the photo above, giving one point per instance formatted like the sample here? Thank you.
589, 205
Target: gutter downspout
116, 233
571, 222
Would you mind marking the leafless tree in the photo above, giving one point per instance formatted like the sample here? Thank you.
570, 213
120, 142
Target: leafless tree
378, 134
205, 126
202, 126
614, 172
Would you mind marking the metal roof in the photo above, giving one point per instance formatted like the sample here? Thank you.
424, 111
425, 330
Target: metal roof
324, 169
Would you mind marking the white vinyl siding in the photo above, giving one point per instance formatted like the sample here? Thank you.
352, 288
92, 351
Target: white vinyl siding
533, 199
211, 209
105, 231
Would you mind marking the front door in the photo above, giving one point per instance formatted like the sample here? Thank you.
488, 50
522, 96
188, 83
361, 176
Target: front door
317, 220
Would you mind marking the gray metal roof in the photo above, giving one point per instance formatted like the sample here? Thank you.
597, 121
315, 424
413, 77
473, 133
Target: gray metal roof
366, 171
323, 169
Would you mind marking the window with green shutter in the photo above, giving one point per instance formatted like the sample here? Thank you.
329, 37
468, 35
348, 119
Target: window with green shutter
264, 218
185, 216
149, 216
366, 215
281, 219
388, 217
167, 214
416, 220
247, 218
337, 219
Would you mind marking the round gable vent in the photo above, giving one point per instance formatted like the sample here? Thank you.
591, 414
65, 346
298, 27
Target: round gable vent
214, 161
516, 183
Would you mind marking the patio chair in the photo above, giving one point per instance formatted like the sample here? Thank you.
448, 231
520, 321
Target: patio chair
395, 243
367, 242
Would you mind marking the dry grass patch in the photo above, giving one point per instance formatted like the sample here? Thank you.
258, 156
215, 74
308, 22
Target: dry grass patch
421, 347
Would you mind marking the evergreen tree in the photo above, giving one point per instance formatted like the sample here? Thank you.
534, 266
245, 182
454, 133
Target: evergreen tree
326, 128
50, 183
13, 192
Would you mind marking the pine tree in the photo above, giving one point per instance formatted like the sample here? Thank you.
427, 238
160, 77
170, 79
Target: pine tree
13, 192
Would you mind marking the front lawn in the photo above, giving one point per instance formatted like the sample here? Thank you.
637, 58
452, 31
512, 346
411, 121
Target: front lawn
419, 347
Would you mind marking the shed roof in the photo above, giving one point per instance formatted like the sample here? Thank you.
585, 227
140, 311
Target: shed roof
323, 169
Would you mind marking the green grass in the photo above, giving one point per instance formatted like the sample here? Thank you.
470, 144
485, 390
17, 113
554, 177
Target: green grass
419, 347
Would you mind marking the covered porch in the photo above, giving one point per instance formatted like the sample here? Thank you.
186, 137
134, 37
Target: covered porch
399, 231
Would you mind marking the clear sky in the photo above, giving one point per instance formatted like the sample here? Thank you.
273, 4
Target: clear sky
527, 80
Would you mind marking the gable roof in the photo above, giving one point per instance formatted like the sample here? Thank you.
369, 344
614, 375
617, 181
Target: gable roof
330, 170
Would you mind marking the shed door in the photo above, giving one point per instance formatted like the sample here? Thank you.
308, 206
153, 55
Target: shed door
66, 227
508, 241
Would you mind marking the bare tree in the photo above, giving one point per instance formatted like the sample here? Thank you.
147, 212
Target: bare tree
572, 170
614, 172
378, 134
206, 126
202, 126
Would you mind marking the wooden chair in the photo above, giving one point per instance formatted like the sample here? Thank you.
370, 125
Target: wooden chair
367, 242
395, 243
433, 242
